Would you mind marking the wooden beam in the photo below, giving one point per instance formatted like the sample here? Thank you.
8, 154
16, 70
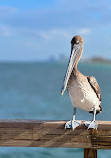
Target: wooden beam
90, 153
33, 133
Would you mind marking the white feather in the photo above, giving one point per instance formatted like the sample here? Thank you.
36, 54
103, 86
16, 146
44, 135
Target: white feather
82, 95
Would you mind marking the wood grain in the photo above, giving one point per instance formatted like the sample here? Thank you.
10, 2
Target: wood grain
34, 133
90, 153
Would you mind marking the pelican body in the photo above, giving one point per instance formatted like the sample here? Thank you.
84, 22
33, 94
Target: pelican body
83, 90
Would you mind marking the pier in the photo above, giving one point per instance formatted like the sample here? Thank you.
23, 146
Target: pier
37, 133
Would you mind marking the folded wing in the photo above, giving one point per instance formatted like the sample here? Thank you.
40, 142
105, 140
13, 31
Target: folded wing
92, 81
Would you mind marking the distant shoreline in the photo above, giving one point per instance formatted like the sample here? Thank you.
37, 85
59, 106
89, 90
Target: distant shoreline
53, 62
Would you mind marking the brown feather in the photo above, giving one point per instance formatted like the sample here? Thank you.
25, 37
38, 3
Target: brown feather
95, 86
92, 81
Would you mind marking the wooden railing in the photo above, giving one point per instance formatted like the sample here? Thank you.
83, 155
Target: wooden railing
34, 133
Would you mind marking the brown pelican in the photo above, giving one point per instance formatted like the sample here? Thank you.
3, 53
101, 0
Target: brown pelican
83, 90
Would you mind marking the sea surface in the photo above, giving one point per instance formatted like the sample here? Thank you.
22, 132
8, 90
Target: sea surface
32, 91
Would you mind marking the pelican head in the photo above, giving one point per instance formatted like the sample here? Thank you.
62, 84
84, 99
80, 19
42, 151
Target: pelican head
76, 52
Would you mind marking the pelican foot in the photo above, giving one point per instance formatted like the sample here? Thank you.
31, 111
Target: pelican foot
91, 124
75, 124
72, 124
68, 124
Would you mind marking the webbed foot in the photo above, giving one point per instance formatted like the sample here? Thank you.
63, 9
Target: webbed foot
72, 124
91, 124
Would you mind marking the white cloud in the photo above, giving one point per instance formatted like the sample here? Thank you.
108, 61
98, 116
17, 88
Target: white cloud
54, 33
84, 31
46, 34
6, 9
5, 31
62, 33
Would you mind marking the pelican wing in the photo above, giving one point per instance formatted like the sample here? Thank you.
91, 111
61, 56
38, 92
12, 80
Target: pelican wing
92, 81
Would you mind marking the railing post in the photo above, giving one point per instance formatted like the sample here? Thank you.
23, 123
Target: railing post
90, 153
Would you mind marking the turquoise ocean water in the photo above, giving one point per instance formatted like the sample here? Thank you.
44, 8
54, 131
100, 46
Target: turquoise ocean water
32, 91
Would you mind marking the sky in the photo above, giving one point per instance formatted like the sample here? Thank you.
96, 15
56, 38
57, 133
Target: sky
35, 30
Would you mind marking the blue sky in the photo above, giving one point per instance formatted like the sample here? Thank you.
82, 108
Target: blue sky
37, 29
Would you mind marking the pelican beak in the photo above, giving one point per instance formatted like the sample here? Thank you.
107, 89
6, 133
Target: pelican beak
75, 54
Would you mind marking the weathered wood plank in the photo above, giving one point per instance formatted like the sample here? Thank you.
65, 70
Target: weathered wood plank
33, 133
90, 153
